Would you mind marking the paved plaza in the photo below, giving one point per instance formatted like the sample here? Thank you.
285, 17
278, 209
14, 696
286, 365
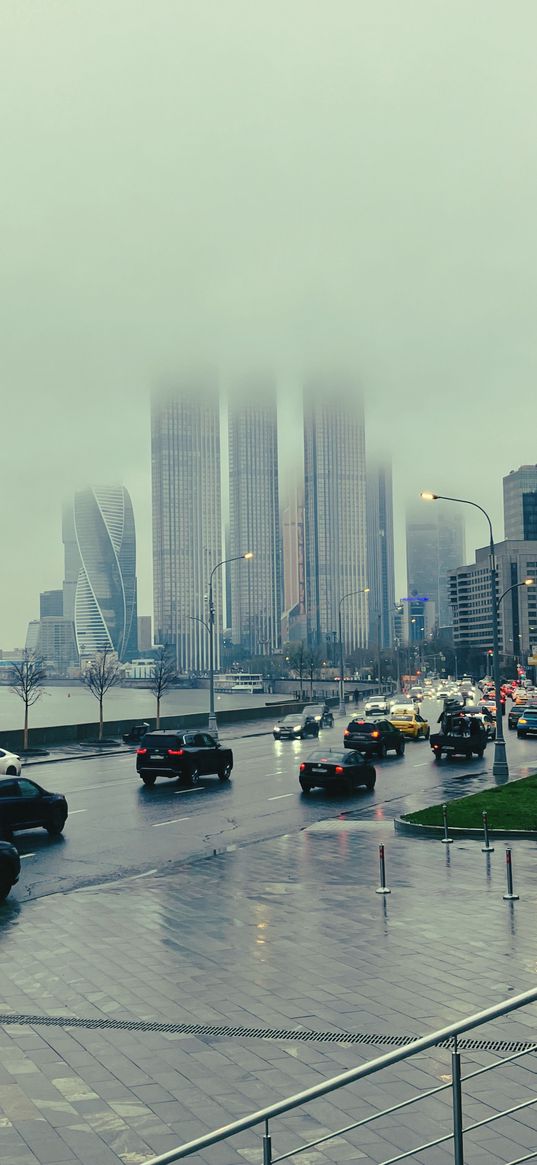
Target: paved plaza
284, 937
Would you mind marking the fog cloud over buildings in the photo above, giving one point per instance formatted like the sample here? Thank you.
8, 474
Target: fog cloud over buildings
261, 186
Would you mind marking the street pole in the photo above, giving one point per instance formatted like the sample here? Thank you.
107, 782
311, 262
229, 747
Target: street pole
360, 591
213, 727
379, 662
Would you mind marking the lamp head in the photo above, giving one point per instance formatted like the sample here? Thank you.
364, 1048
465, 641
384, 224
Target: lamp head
428, 497
249, 554
529, 582
366, 590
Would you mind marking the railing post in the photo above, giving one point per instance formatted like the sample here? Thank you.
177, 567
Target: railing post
446, 840
267, 1146
458, 1149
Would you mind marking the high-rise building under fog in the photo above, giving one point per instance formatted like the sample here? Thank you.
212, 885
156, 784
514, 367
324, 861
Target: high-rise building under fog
435, 545
335, 512
380, 553
187, 532
520, 503
254, 518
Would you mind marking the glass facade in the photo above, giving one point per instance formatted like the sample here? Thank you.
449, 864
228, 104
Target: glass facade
380, 553
100, 571
520, 503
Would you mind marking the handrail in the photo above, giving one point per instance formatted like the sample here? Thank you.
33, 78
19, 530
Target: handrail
300, 1098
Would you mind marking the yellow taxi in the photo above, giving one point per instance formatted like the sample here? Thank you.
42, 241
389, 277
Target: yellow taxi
410, 723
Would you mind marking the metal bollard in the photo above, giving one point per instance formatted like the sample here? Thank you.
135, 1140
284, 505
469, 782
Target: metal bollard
267, 1146
487, 848
509, 897
446, 840
383, 889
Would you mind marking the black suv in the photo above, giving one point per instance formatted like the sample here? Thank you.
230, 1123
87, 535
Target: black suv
297, 725
25, 805
321, 713
10, 868
183, 755
373, 737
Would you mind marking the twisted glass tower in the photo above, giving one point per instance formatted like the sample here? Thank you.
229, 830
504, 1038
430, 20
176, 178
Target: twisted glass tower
100, 570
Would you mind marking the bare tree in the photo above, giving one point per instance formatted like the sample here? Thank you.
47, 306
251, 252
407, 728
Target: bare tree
163, 676
102, 673
312, 663
28, 683
296, 655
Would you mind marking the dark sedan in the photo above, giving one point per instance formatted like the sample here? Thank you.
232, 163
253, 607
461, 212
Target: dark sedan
374, 737
527, 724
183, 755
295, 727
326, 769
25, 805
10, 868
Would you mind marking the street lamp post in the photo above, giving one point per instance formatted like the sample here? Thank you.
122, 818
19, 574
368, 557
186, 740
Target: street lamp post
500, 767
360, 591
213, 728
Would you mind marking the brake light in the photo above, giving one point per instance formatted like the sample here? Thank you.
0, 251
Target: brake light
176, 752
375, 734
141, 751
346, 732
339, 769
302, 767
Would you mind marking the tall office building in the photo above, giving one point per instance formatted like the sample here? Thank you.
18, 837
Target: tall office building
435, 545
187, 529
380, 553
254, 518
294, 595
520, 503
335, 513
50, 604
99, 593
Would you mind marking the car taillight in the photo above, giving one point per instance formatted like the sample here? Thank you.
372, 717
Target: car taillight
141, 751
339, 769
176, 752
302, 767
346, 732
375, 734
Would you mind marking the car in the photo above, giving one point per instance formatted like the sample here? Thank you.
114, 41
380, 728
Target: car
376, 707
373, 736
410, 723
295, 727
26, 805
527, 724
514, 714
321, 713
10, 868
10, 763
485, 717
183, 754
136, 734
324, 769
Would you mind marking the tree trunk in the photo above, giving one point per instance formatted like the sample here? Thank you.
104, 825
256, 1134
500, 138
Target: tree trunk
100, 717
25, 742
158, 712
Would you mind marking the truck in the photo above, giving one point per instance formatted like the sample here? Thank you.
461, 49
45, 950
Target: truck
459, 736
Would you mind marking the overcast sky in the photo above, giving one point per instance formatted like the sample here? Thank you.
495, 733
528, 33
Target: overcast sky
288, 184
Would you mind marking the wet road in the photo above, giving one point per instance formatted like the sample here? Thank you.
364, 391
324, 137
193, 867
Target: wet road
117, 828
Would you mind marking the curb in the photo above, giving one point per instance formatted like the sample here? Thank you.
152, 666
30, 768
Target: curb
414, 829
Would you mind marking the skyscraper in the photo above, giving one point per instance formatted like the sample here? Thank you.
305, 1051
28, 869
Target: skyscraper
520, 503
50, 604
435, 545
380, 552
187, 534
100, 570
254, 518
335, 512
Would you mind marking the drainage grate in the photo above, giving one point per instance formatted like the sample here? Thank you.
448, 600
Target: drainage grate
226, 1030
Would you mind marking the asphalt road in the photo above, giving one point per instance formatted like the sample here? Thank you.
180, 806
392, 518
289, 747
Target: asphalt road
117, 828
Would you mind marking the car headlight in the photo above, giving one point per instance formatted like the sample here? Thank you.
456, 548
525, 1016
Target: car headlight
522, 720
276, 728
297, 728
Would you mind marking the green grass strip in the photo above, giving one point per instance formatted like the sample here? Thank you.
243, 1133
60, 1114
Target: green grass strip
512, 806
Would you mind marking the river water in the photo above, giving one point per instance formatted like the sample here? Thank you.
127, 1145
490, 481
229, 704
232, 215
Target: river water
74, 704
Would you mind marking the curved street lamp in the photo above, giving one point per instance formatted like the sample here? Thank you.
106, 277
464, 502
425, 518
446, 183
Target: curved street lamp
213, 728
500, 767
360, 591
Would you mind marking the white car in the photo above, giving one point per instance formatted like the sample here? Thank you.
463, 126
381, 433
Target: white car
10, 764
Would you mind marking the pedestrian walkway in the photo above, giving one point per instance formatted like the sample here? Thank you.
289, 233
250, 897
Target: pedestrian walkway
140, 1015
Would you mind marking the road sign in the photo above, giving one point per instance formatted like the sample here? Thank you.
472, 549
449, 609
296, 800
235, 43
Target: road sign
532, 660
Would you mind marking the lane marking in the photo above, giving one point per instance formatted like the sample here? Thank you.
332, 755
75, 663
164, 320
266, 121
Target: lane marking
281, 796
73, 811
172, 821
195, 789
22, 856
146, 875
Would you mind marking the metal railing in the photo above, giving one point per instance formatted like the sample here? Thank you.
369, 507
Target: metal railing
447, 1036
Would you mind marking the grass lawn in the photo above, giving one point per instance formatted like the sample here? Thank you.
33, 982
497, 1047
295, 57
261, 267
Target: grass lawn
512, 806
